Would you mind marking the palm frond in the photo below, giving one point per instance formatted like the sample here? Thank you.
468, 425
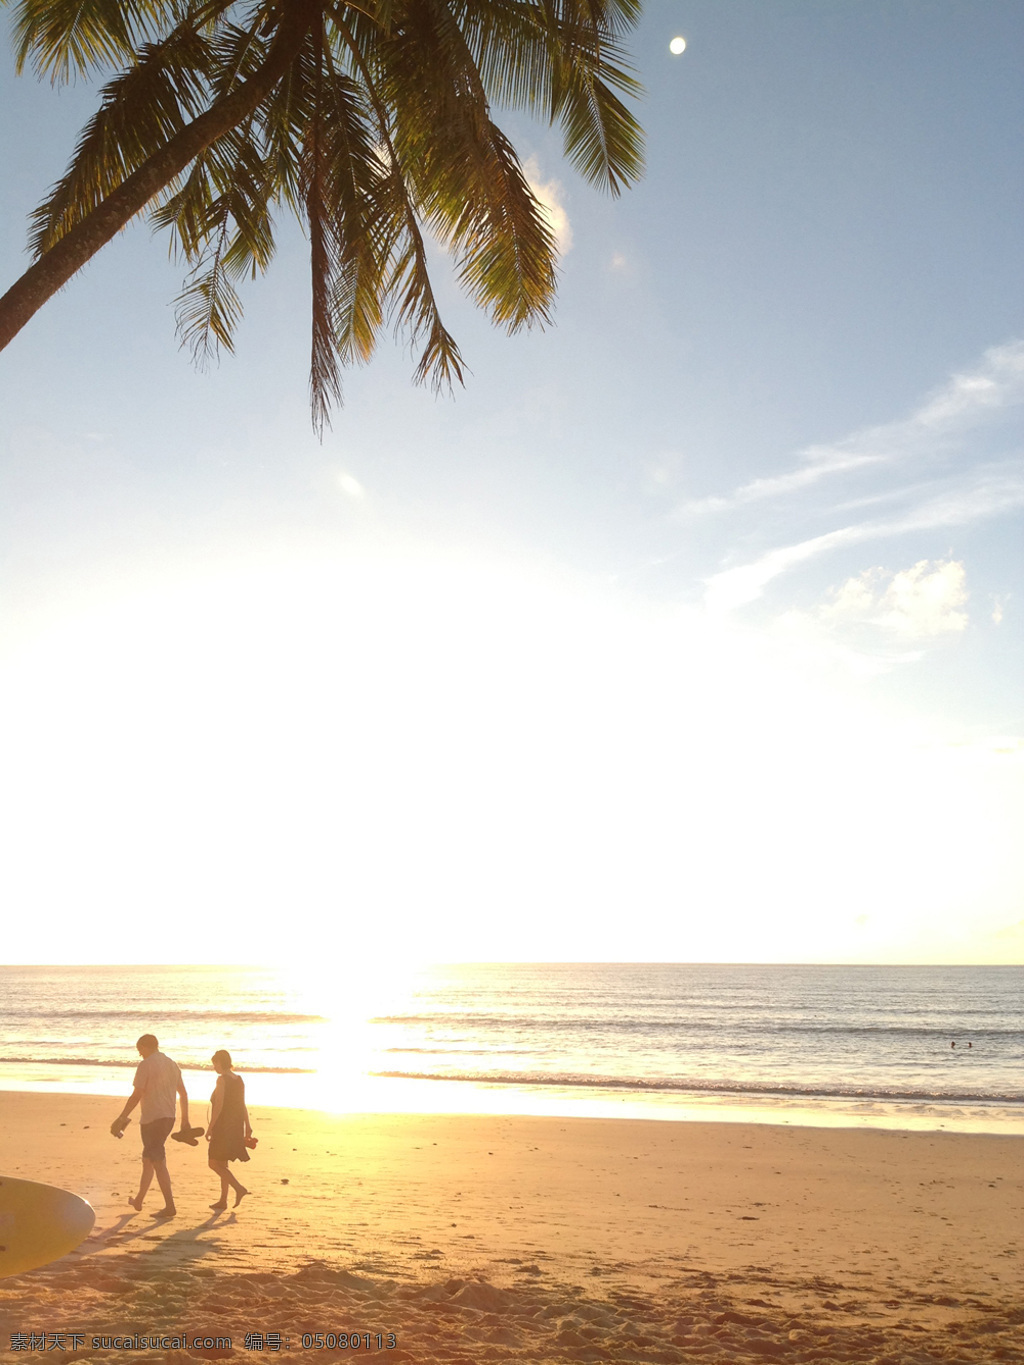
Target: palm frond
565, 57
231, 181
140, 110
238, 50
359, 231
324, 370
283, 118
401, 252
208, 308
416, 312
603, 140
506, 249
465, 172
67, 38
221, 221
407, 286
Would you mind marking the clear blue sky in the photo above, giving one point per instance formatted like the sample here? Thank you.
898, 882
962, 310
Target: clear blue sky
690, 629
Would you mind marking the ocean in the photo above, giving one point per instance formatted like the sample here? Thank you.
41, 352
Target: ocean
898, 1047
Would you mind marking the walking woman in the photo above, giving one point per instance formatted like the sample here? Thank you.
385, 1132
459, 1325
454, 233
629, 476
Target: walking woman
229, 1130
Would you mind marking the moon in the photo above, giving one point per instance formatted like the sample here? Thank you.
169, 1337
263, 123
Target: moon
677, 46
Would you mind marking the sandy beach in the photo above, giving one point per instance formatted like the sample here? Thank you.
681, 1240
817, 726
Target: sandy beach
466, 1239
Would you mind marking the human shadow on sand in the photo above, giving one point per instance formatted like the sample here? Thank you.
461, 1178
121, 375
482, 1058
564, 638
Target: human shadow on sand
183, 1241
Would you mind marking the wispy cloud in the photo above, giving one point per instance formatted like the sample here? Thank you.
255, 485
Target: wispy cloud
989, 493
948, 464
937, 426
736, 587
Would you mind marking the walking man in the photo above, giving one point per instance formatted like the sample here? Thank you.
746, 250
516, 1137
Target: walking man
157, 1084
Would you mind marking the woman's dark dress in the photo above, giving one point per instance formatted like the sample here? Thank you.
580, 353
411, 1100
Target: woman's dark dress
227, 1135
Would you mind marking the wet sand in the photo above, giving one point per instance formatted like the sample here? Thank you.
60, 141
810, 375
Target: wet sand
472, 1239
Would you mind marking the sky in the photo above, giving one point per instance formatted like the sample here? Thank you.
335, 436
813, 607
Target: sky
690, 630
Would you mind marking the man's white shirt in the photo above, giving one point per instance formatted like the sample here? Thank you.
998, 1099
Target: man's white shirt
158, 1078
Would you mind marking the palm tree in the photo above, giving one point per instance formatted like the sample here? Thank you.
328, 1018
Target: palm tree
370, 119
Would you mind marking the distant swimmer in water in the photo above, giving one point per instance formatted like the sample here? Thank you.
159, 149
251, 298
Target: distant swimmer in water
953, 1043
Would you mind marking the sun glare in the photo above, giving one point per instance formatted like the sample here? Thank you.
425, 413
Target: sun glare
345, 993
375, 762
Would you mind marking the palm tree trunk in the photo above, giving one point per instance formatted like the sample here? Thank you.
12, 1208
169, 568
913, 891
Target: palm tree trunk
56, 266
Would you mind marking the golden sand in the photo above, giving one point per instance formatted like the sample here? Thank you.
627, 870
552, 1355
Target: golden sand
478, 1239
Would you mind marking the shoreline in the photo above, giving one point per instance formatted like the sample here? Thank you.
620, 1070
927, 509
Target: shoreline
465, 1230
369, 1094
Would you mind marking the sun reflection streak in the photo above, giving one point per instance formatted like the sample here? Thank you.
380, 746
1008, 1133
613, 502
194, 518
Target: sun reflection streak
347, 997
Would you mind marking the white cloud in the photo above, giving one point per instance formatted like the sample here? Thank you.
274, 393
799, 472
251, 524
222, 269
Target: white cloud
549, 194
924, 601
